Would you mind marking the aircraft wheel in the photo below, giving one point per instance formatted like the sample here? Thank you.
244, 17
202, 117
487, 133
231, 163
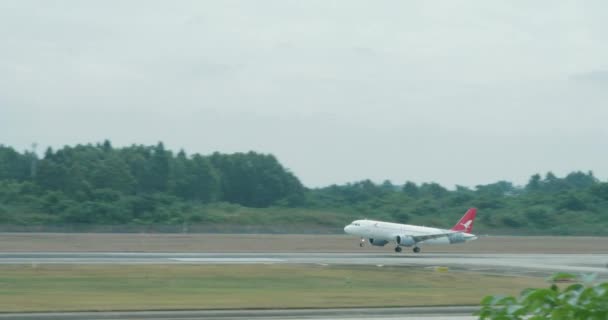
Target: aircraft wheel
361, 244
397, 249
416, 249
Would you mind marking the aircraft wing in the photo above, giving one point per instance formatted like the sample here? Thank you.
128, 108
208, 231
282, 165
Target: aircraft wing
431, 236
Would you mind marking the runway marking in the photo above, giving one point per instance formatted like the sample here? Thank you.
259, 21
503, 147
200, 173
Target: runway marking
228, 260
515, 264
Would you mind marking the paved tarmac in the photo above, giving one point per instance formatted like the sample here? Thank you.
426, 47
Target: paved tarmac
426, 313
515, 264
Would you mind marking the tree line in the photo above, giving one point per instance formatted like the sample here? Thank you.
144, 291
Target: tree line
101, 184
574, 204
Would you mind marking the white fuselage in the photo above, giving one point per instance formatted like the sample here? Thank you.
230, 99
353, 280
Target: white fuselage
387, 231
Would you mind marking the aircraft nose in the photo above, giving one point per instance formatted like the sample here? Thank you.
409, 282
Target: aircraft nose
347, 229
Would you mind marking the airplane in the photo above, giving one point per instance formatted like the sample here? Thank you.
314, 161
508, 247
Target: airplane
380, 233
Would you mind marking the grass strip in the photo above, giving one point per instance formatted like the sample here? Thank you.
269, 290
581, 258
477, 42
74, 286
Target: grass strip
158, 287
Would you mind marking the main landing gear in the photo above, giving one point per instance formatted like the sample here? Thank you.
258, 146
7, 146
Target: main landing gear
415, 249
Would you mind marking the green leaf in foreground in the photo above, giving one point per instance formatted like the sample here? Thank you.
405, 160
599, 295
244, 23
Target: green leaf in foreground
576, 301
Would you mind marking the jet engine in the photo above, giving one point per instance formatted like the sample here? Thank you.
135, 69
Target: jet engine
379, 243
456, 238
406, 241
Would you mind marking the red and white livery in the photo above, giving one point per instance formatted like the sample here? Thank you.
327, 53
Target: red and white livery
380, 233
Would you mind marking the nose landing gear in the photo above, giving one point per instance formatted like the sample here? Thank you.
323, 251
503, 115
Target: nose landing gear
362, 242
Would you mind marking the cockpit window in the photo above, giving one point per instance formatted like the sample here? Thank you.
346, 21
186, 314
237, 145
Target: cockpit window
356, 224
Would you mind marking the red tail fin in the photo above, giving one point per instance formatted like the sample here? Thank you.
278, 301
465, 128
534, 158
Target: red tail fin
465, 224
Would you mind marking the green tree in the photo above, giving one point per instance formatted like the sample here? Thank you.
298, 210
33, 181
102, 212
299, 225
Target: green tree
13, 165
254, 179
580, 180
113, 173
553, 184
575, 302
499, 188
411, 189
194, 179
600, 190
534, 184
158, 169
572, 202
52, 175
433, 189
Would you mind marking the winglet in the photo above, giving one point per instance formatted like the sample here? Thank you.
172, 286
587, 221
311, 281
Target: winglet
465, 224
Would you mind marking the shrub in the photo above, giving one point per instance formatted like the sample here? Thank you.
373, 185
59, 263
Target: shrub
576, 301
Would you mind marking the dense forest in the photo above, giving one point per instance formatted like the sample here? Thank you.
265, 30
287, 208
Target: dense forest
100, 185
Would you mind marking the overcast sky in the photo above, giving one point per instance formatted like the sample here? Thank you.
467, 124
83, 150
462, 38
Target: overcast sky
455, 92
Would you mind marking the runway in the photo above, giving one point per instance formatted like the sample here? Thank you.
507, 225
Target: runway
426, 313
513, 264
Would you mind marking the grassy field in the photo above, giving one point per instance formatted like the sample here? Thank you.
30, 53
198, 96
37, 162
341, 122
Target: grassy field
154, 242
156, 287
